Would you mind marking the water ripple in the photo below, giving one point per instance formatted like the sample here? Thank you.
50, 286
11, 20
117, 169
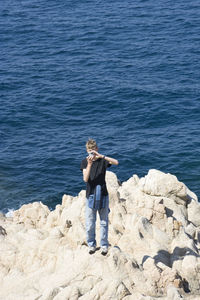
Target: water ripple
126, 73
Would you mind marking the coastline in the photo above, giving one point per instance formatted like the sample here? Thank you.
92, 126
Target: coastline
154, 248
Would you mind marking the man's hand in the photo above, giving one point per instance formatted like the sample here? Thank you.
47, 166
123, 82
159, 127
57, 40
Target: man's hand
90, 160
111, 160
97, 155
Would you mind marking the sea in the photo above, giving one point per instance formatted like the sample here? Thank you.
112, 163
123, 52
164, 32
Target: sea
126, 73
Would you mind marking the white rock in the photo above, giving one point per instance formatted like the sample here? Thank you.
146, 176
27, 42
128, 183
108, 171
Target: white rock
173, 293
153, 231
194, 212
158, 183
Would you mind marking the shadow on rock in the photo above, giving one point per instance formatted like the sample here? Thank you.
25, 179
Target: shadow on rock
168, 259
2, 231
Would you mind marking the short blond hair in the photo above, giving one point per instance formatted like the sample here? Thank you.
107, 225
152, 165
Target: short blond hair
91, 144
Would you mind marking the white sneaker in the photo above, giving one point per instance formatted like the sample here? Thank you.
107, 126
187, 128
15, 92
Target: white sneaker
104, 250
92, 250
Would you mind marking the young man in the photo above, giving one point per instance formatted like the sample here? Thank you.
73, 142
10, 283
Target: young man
94, 171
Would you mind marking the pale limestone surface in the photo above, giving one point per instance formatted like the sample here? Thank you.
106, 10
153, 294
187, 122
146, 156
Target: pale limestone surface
154, 236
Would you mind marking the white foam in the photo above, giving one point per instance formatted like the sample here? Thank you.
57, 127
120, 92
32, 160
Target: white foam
9, 214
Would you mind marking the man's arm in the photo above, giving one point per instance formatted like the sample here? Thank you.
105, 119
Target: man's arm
86, 172
111, 160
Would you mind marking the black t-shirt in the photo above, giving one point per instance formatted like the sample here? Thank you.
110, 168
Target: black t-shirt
97, 175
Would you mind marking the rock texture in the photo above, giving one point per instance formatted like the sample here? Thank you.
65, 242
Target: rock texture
154, 235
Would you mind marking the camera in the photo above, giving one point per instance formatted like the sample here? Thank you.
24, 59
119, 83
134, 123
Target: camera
91, 154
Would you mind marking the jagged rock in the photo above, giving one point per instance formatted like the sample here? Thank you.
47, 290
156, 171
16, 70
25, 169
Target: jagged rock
33, 214
173, 293
194, 212
158, 183
154, 233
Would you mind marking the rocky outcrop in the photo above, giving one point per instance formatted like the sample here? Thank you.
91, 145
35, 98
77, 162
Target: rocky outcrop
154, 236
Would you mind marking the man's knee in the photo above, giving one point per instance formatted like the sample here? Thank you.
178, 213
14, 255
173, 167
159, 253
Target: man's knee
104, 223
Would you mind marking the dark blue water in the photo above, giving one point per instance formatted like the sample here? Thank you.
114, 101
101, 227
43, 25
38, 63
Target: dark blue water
125, 73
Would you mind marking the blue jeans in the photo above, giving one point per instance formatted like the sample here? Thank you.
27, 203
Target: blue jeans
91, 214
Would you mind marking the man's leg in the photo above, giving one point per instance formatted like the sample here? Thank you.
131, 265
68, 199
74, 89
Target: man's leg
90, 215
103, 214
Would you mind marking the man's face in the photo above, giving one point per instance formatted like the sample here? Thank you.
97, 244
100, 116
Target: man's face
90, 150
